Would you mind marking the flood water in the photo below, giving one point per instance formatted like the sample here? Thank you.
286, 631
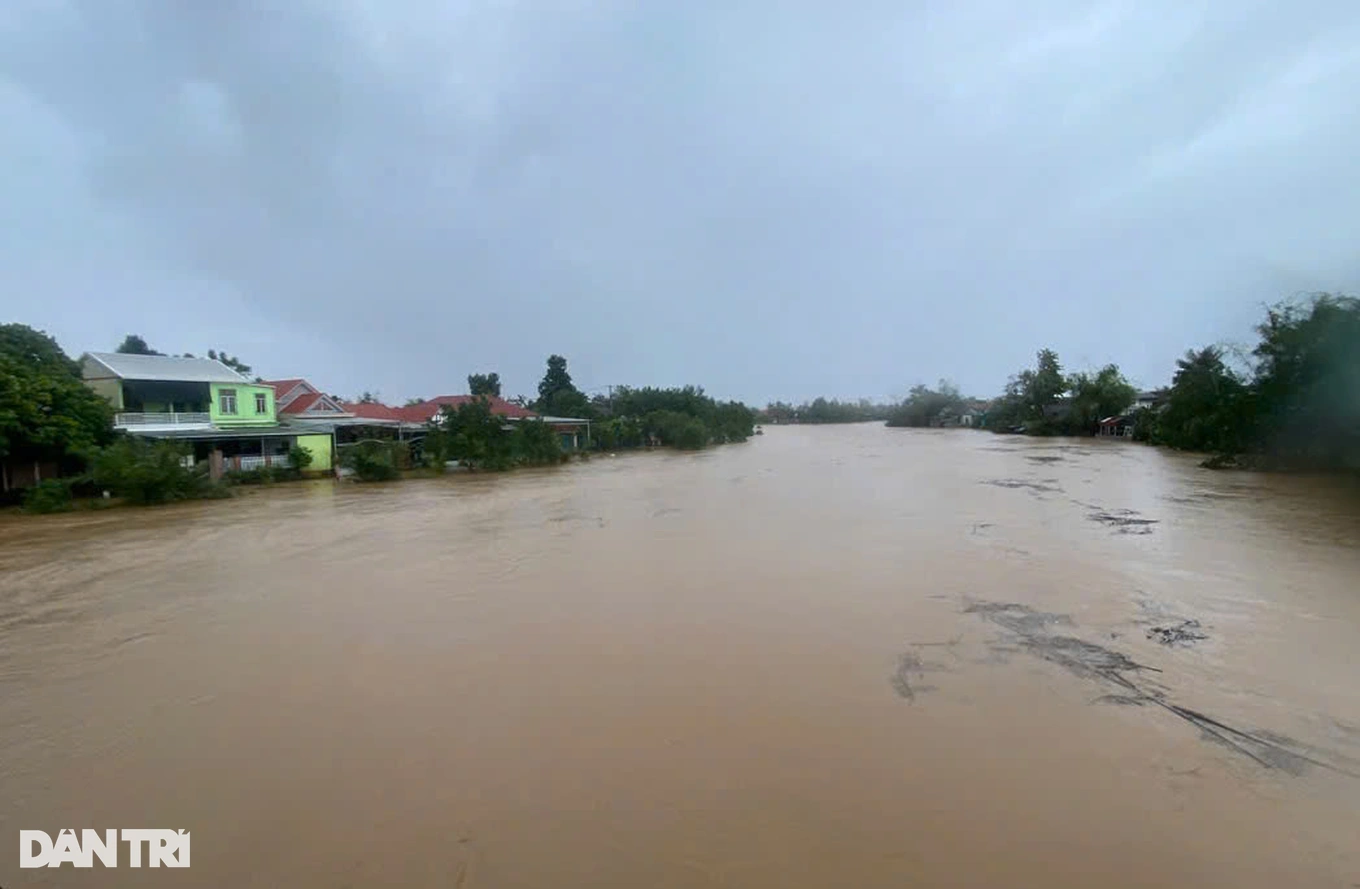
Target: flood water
836, 656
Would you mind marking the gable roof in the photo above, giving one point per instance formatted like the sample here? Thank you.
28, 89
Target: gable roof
428, 409
372, 410
165, 368
301, 403
315, 402
283, 387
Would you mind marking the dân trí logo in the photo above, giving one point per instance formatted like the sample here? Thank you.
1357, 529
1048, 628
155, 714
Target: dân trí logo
164, 848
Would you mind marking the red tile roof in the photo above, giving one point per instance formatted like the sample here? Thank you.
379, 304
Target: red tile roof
422, 412
283, 387
301, 403
372, 410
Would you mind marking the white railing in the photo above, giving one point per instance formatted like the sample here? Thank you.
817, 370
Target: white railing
166, 418
258, 462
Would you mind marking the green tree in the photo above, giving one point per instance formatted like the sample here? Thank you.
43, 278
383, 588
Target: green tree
534, 443
1046, 385
1030, 397
47, 413
484, 384
924, 406
133, 344
230, 361
471, 434
143, 471
1307, 377
1105, 393
558, 395
1207, 407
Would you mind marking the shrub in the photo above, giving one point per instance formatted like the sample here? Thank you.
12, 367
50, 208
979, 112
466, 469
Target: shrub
299, 458
691, 436
49, 495
261, 475
534, 443
142, 471
372, 460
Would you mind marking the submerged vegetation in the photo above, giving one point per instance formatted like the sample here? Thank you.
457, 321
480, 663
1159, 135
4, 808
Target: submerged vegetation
684, 417
470, 434
826, 410
145, 472
1296, 407
1292, 403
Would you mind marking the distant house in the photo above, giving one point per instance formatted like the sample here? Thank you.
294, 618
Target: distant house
1116, 427
430, 408
1153, 399
947, 418
219, 414
300, 399
572, 432
1059, 409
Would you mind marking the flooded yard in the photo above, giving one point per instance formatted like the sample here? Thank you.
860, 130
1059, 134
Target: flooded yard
836, 656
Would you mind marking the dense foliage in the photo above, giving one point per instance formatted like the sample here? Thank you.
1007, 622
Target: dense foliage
143, 471
47, 413
826, 410
1043, 401
924, 406
133, 344
484, 384
1298, 408
558, 395
683, 417
374, 461
1105, 393
230, 361
299, 458
479, 439
49, 495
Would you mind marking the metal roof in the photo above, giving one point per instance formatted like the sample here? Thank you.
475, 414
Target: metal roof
166, 368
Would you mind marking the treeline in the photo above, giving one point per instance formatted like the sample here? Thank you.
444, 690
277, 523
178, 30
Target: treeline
825, 410
1042, 400
923, 406
1297, 406
1292, 401
683, 417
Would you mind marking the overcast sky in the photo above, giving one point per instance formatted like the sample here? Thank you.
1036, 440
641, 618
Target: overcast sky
770, 199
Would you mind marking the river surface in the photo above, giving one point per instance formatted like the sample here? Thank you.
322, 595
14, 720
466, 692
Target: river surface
837, 656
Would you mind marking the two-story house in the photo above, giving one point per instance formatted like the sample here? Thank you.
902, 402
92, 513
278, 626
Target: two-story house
203, 403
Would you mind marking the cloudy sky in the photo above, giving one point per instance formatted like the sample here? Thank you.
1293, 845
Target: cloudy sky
771, 198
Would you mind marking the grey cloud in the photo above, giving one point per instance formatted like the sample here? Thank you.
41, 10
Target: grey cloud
771, 199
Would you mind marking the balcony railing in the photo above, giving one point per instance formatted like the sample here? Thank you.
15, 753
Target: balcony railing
162, 418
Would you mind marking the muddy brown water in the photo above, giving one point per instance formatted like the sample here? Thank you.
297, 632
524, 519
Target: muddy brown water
839, 656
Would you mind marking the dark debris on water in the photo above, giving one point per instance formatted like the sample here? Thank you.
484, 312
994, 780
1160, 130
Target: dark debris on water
1044, 486
1183, 633
1125, 521
1031, 630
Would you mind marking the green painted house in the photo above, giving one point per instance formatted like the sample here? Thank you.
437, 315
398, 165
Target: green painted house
203, 403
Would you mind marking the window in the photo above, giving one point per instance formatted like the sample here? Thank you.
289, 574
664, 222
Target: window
226, 401
261, 403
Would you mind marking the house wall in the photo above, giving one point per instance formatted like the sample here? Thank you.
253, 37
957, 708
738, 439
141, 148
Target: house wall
245, 415
109, 387
319, 446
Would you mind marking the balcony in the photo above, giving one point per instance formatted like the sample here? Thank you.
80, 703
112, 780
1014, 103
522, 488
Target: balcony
163, 419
